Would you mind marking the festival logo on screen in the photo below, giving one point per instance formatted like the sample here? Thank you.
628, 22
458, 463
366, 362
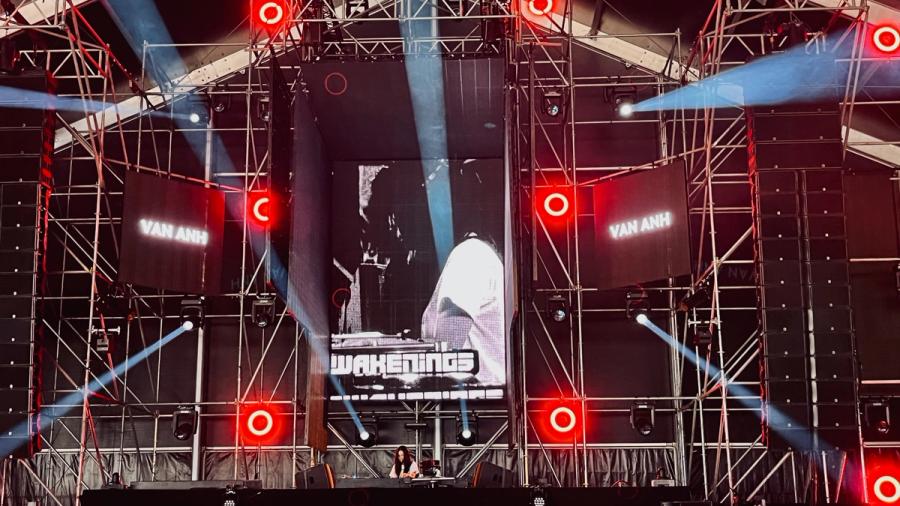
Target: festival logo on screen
641, 227
171, 234
418, 284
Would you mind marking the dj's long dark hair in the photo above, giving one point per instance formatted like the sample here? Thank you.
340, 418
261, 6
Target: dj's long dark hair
404, 465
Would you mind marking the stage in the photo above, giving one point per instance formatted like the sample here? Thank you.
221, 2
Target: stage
376, 496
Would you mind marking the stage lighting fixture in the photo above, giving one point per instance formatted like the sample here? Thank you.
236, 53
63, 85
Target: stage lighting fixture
556, 204
624, 99
702, 338
643, 416
699, 298
558, 307
637, 306
886, 38
194, 117
540, 7
184, 422
259, 423
886, 488
877, 416
563, 419
192, 313
262, 311
271, 15
260, 205
367, 437
466, 434
553, 102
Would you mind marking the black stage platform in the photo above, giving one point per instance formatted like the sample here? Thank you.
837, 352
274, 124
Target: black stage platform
387, 496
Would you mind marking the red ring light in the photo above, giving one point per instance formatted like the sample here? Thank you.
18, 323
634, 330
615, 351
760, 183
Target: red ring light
258, 211
890, 33
267, 419
557, 212
538, 11
562, 410
879, 483
273, 19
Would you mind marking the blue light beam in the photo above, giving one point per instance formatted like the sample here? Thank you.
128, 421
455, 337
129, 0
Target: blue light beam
425, 75
46, 418
799, 443
18, 98
794, 76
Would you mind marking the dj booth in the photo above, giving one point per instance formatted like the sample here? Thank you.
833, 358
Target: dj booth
388, 492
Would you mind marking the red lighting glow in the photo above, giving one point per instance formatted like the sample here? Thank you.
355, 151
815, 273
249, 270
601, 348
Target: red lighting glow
556, 204
540, 7
886, 489
259, 424
560, 421
271, 14
886, 38
563, 419
260, 209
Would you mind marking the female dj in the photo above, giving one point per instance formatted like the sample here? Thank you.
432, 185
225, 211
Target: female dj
404, 465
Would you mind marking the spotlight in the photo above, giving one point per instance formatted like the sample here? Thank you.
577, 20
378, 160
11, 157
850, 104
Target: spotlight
558, 307
563, 419
637, 306
260, 423
194, 117
623, 98
643, 416
877, 416
556, 204
184, 422
262, 311
367, 437
466, 434
887, 489
260, 205
886, 38
552, 103
191, 313
272, 15
540, 7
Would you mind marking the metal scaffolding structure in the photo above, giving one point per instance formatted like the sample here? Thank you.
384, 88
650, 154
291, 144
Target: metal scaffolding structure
140, 132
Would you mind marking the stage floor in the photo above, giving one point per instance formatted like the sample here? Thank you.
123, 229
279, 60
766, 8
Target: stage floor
388, 496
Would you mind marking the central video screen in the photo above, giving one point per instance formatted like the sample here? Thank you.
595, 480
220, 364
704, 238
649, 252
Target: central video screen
418, 281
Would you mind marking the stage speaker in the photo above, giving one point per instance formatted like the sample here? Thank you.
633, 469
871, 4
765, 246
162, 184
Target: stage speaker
800, 245
26, 147
489, 475
316, 477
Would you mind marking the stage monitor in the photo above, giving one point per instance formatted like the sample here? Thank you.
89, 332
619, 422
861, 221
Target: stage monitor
171, 234
419, 280
641, 227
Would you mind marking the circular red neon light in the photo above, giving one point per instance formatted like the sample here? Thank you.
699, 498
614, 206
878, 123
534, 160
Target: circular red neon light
558, 209
271, 13
540, 7
253, 425
880, 493
886, 38
569, 420
258, 212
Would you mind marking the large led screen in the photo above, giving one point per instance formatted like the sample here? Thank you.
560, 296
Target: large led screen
641, 227
172, 234
418, 284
